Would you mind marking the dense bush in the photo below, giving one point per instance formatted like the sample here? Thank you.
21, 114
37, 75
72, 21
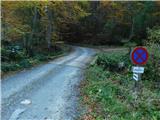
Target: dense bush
40, 57
12, 53
154, 35
14, 58
113, 61
5, 67
25, 63
152, 69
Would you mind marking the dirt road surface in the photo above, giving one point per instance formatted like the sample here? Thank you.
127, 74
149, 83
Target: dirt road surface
47, 91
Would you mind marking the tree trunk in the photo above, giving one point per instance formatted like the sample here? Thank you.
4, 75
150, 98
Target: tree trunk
49, 28
132, 30
30, 46
3, 25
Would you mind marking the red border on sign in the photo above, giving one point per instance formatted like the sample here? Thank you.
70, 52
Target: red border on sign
132, 55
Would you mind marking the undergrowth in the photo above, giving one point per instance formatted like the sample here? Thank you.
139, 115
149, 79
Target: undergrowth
109, 94
18, 60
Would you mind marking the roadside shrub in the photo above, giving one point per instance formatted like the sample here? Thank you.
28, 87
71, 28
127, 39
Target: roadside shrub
12, 54
154, 35
25, 63
34, 61
5, 54
113, 61
20, 55
9, 66
152, 69
40, 57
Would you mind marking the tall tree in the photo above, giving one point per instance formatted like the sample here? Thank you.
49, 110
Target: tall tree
49, 26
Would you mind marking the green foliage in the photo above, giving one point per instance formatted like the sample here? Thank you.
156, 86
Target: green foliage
152, 69
95, 22
5, 67
111, 22
41, 57
153, 65
12, 61
111, 61
25, 63
110, 95
154, 35
12, 53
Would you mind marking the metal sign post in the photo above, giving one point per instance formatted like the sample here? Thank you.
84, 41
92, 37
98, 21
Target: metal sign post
139, 56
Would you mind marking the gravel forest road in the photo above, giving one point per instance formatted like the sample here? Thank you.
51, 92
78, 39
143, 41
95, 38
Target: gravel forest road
48, 91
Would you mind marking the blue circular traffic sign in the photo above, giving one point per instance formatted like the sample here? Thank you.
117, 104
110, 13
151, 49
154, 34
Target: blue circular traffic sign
139, 56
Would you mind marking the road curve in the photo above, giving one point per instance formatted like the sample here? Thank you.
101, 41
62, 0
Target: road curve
50, 89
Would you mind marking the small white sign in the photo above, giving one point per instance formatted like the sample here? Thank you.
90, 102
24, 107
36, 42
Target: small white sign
135, 76
138, 69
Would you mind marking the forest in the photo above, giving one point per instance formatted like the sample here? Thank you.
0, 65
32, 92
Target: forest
28, 28
98, 22
35, 32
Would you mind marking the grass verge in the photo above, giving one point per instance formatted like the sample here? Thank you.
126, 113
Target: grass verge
109, 92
